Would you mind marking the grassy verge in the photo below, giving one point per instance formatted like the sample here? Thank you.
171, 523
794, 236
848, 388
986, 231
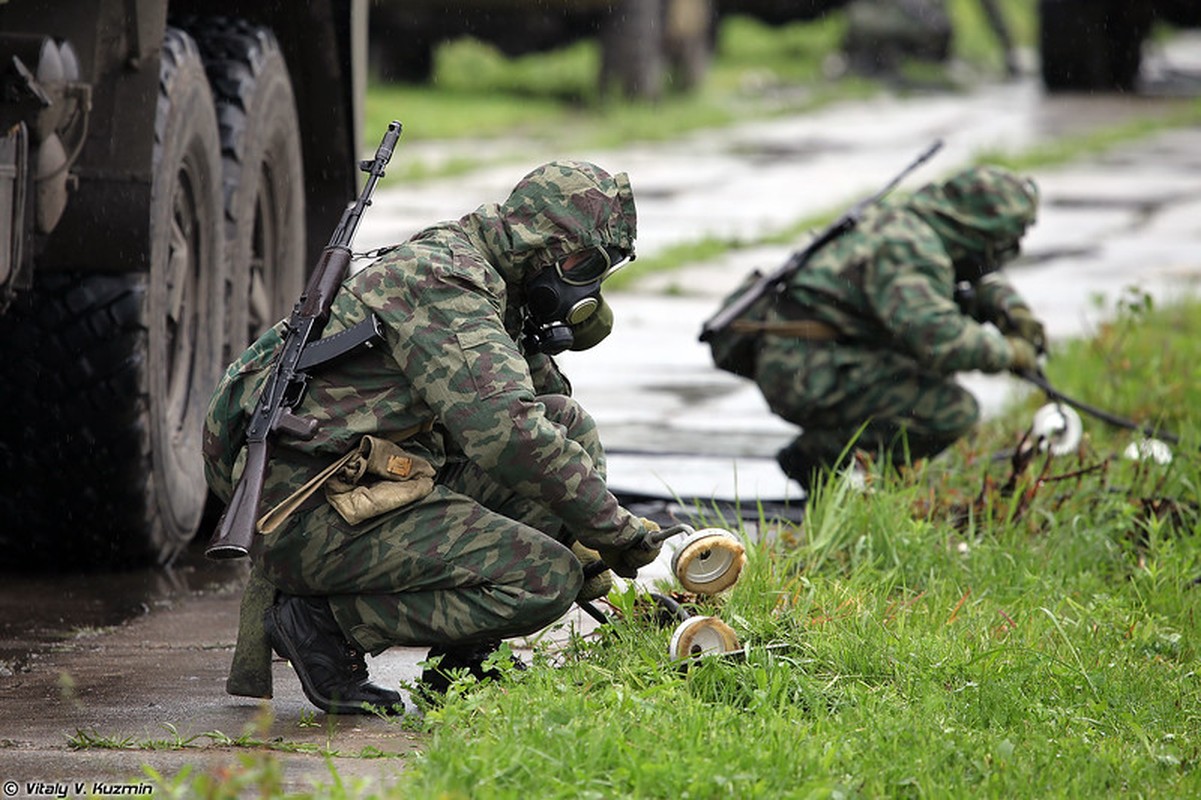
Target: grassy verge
552, 97
972, 628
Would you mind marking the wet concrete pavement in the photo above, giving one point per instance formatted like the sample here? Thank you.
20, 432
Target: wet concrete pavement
141, 658
1106, 223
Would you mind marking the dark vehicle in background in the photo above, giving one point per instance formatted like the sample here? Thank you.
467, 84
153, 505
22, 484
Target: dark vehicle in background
168, 171
646, 46
1096, 45
1084, 45
644, 43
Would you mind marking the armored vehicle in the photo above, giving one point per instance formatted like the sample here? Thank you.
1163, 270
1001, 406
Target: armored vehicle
1096, 45
168, 171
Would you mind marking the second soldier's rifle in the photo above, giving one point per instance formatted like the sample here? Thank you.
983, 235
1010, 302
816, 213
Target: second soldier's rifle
303, 350
722, 319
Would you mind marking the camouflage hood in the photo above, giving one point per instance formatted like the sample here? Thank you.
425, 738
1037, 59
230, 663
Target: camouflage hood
978, 211
558, 208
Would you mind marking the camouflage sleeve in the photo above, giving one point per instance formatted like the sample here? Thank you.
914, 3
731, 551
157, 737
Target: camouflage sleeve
453, 348
220, 446
911, 289
996, 297
547, 377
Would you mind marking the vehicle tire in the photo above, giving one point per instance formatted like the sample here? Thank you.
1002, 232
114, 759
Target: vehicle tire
111, 374
262, 175
187, 248
1088, 45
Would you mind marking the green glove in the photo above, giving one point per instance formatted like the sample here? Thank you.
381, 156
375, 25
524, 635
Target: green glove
1022, 322
597, 586
1024, 357
626, 561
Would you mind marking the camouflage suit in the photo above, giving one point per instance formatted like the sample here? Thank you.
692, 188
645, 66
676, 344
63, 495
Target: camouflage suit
520, 469
886, 292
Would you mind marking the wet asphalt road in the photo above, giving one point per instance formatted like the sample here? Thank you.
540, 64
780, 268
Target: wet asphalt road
141, 657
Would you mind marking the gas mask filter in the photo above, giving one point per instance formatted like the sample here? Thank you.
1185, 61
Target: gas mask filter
564, 304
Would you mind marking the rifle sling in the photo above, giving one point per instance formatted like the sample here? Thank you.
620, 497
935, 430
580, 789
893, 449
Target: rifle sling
273, 519
364, 335
808, 329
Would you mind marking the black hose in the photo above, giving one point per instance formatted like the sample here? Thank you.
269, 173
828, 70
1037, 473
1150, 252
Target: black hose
594, 568
1039, 380
593, 612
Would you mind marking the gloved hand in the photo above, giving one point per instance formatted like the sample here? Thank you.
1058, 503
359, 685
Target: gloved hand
1022, 322
597, 586
1024, 358
626, 561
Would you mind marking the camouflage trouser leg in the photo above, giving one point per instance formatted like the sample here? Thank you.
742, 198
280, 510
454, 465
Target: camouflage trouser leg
832, 391
470, 562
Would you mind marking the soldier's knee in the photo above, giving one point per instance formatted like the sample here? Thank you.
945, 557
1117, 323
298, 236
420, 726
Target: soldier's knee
961, 416
556, 595
948, 413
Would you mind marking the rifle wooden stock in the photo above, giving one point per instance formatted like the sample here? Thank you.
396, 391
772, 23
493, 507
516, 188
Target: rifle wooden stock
285, 388
327, 277
235, 530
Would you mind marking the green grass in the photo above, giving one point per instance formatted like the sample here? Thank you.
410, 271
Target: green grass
973, 627
1095, 142
974, 40
941, 636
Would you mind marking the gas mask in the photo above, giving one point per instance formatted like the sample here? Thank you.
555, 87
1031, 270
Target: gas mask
564, 304
996, 255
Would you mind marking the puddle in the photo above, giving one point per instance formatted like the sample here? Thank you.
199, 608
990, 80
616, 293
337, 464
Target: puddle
695, 392
41, 611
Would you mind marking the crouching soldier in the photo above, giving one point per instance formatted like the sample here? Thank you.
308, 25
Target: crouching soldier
453, 485
871, 331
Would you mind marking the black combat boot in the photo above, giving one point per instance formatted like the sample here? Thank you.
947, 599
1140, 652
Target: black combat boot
332, 671
436, 680
800, 467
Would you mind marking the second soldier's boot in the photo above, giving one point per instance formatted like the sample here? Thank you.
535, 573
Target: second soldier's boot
454, 659
799, 466
332, 670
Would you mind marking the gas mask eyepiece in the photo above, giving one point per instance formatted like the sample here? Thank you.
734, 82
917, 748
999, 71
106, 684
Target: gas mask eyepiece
563, 301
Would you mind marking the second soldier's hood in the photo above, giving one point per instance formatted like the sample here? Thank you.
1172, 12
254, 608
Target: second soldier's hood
978, 211
556, 209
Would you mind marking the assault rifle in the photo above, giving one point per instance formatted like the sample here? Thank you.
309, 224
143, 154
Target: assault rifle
303, 351
722, 319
